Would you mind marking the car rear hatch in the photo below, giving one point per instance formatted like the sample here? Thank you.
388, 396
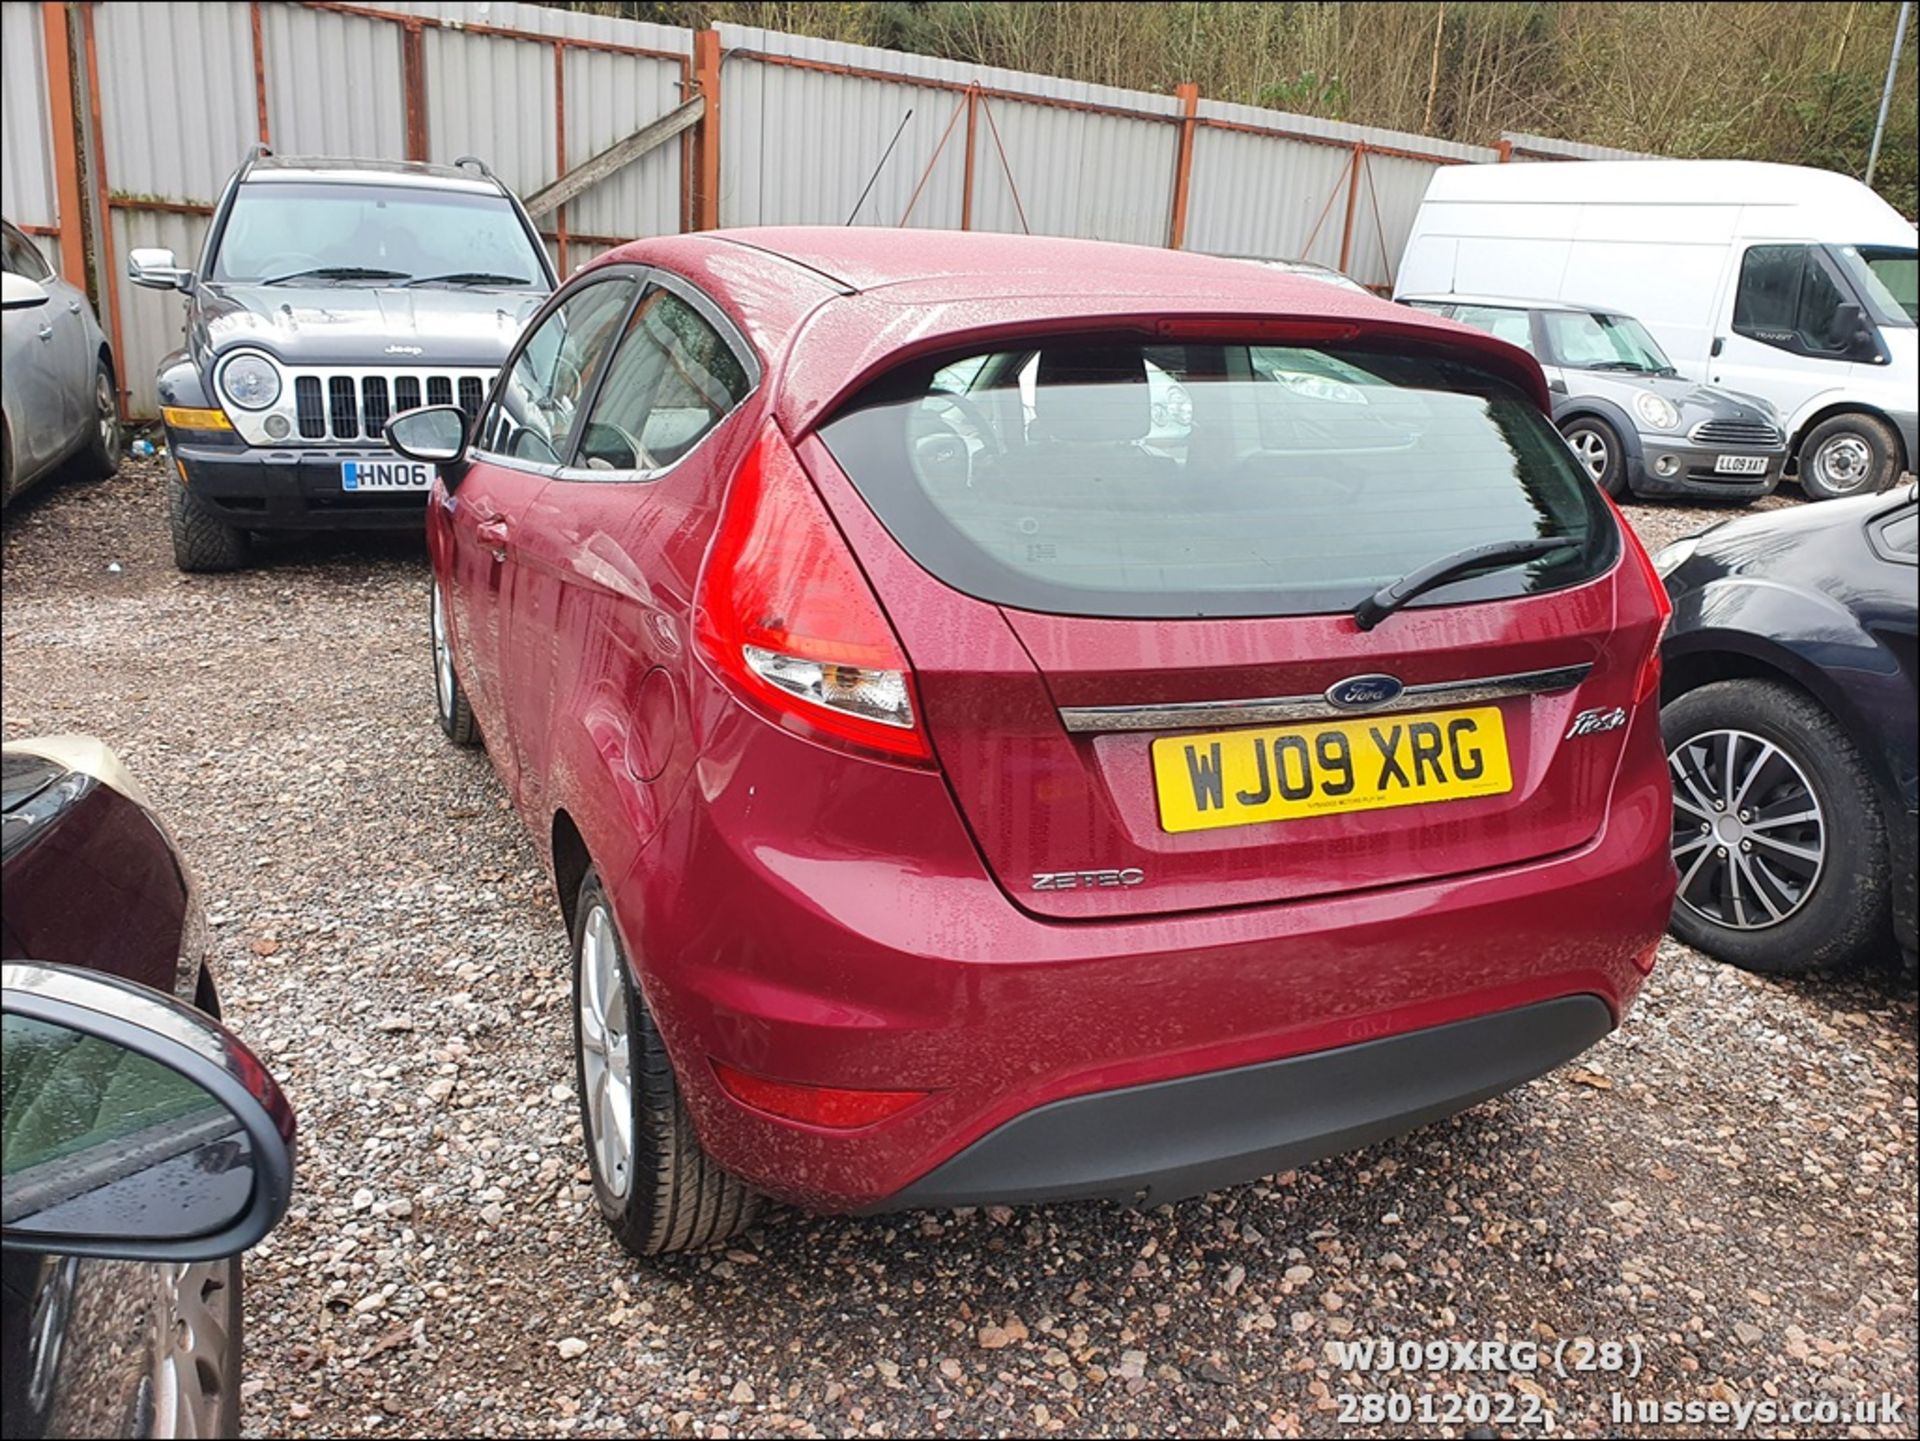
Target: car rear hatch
1124, 570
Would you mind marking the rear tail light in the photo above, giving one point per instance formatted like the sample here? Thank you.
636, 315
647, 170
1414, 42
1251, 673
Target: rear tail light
1647, 685
828, 1106
788, 620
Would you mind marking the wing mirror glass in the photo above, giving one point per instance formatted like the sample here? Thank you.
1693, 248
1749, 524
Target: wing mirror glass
155, 269
435, 434
19, 293
133, 1126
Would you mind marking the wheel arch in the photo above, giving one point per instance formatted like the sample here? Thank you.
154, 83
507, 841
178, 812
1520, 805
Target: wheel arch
571, 862
1592, 407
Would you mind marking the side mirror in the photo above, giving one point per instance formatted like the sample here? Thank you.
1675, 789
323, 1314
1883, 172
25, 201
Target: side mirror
434, 434
155, 269
133, 1126
19, 293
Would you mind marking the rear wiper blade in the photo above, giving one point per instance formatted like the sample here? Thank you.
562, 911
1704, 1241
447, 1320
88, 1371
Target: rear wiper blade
337, 272
469, 277
1497, 556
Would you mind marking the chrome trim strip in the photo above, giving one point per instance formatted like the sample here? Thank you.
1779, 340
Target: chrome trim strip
1189, 715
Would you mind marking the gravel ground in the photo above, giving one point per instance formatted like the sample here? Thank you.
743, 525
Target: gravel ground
1726, 1186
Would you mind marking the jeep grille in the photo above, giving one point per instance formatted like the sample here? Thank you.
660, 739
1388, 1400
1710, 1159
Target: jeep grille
348, 407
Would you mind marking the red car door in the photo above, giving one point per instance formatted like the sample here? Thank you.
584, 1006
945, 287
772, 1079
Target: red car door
608, 551
524, 437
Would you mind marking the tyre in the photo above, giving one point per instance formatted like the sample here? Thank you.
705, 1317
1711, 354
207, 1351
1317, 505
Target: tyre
449, 696
1848, 455
657, 1189
201, 540
100, 457
1777, 833
1597, 446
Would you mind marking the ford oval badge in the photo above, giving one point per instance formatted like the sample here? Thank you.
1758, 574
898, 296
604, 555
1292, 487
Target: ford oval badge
1364, 692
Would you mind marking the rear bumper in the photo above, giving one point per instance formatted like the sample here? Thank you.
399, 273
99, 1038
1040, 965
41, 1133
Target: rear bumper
1693, 472
260, 489
1157, 1143
879, 955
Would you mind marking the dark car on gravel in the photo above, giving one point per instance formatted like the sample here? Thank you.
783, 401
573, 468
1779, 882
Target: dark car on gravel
1789, 715
142, 1146
1636, 424
330, 295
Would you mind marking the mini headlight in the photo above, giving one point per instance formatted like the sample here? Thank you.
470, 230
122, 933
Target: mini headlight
249, 381
1655, 410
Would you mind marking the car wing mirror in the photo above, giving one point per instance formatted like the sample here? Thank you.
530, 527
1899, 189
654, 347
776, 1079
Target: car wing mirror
155, 269
436, 435
19, 293
134, 1127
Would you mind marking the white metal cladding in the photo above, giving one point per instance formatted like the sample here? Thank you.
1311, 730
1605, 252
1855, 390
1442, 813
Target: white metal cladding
333, 84
493, 98
27, 192
610, 96
176, 97
1105, 177
1255, 192
152, 321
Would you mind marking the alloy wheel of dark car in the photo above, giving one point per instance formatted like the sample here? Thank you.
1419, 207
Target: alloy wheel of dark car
1776, 834
1600, 454
102, 455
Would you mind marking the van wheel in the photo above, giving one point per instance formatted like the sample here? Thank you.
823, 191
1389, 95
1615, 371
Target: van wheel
1597, 447
1848, 455
658, 1190
202, 541
1777, 833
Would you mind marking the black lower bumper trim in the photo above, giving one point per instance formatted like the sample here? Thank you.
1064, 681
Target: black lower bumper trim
264, 489
1160, 1142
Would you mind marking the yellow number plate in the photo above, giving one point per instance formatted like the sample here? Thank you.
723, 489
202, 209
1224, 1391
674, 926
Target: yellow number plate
1245, 777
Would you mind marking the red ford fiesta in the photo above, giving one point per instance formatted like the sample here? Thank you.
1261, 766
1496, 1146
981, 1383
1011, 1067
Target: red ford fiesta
1018, 719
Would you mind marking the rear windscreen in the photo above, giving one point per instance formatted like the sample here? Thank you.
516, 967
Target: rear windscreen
1158, 480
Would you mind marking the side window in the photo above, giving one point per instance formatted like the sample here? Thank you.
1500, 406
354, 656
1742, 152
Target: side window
22, 258
672, 380
533, 416
1512, 326
1789, 298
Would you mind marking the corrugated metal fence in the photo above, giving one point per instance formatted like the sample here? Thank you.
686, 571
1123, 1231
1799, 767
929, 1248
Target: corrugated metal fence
122, 122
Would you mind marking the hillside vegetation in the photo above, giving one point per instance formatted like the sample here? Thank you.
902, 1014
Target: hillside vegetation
1791, 82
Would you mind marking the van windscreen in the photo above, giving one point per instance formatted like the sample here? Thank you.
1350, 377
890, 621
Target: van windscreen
1125, 478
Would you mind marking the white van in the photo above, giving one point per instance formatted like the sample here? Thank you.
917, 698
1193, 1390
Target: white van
1791, 284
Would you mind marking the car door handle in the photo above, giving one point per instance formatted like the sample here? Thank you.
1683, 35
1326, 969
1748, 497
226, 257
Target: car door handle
45, 332
492, 531
73, 307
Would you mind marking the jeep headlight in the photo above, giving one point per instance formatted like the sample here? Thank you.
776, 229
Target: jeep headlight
249, 380
1656, 410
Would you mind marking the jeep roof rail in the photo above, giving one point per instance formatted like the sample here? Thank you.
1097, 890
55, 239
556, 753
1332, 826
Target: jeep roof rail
255, 151
461, 162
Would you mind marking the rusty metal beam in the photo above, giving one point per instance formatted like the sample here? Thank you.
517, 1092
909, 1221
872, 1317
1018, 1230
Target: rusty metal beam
501, 32
259, 70
1189, 97
966, 182
413, 80
109, 266
66, 146
706, 76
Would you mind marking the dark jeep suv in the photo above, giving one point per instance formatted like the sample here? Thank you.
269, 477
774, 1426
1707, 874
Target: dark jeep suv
330, 295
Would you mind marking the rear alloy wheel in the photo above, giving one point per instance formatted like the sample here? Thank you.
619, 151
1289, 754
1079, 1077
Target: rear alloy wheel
657, 1188
1777, 834
106, 440
449, 699
1848, 455
1596, 445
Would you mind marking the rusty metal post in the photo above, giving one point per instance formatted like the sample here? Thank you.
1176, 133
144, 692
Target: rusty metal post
560, 151
1353, 197
259, 70
1189, 97
706, 76
966, 193
108, 261
71, 217
1506, 150
413, 79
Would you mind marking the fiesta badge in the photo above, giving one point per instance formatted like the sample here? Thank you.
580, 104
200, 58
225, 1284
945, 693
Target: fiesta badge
1364, 692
